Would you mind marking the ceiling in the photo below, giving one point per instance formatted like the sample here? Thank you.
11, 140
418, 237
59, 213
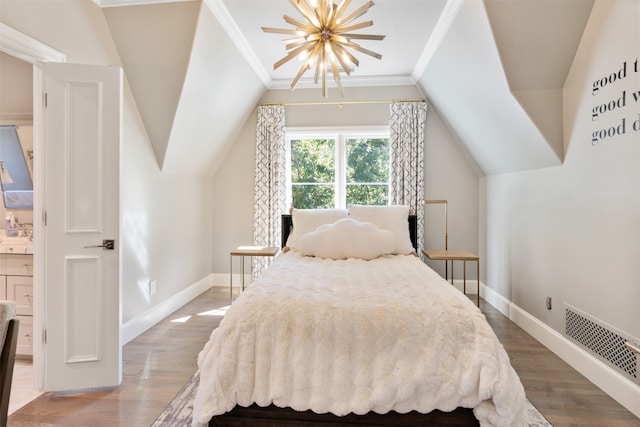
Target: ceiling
406, 24
493, 69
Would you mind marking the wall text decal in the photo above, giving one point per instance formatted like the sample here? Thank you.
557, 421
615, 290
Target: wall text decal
614, 109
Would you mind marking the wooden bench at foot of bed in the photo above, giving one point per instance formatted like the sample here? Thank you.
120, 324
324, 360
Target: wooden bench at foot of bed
256, 416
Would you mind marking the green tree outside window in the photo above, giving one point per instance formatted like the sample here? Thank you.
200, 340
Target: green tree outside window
367, 171
315, 179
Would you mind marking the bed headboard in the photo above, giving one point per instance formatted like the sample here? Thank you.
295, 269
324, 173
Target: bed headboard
287, 224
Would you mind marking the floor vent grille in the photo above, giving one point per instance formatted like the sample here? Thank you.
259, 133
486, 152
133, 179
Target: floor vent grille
602, 340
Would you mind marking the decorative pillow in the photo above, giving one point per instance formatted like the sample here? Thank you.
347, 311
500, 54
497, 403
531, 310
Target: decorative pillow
393, 218
347, 238
308, 220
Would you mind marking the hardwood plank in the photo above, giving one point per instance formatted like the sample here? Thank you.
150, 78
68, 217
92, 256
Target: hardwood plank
155, 367
558, 391
159, 362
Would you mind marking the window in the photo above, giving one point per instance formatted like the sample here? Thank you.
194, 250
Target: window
333, 169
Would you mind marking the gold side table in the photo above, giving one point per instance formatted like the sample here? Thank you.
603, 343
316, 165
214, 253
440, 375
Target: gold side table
247, 251
464, 256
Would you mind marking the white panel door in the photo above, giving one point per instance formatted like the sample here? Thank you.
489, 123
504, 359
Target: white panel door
81, 283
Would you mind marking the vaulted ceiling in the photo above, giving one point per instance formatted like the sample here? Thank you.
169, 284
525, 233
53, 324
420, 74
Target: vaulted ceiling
494, 70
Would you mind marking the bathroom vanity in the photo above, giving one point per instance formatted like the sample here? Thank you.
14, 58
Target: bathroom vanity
16, 249
16, 284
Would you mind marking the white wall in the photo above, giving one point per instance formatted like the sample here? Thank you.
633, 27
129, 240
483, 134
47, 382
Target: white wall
233, 199
16, 87
571, 232
449, 172
166, 224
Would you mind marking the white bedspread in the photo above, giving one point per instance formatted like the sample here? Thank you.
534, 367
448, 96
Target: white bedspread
356, 336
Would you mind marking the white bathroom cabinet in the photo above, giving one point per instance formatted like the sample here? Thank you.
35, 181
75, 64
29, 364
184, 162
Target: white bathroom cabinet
16, 284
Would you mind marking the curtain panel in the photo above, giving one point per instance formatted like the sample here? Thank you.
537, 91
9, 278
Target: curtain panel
270, 188
406, 130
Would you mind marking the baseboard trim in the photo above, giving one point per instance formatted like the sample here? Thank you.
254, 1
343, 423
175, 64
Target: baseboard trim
222, 280
610, 381
139, 324
472, 285
620, 388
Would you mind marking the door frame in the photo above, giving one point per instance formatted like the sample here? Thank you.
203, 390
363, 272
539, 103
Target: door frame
21, 46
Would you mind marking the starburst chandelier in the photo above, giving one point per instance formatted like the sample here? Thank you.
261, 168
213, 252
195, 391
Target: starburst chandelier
324, 39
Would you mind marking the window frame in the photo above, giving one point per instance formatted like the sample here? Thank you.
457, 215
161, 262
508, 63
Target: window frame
340, 135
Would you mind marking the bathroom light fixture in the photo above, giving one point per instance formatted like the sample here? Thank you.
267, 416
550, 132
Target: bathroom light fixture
325, 39
5, 178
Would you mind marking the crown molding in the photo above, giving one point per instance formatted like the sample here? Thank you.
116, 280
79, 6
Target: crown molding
445, 20
23, 47
225, 19
223, 16
119, 3
352, 81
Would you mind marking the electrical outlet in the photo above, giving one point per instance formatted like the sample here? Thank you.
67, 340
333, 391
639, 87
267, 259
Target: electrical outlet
548, 303
152, 287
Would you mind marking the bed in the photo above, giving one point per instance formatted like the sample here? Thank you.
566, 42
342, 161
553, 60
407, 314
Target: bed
349, 327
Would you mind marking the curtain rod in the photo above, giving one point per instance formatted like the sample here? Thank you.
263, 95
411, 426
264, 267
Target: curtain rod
373, 101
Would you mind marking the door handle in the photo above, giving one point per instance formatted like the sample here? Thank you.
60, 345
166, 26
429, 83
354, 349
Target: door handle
107, 245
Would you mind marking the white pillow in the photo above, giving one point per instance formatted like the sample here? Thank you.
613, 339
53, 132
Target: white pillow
308, 220
347, 238
394, 218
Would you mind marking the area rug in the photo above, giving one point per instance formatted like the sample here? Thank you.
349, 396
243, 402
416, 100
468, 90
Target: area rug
179, 410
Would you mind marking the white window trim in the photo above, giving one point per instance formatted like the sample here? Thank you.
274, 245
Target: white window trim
340, 135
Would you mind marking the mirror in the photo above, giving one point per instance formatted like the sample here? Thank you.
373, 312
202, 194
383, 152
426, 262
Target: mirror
15, 179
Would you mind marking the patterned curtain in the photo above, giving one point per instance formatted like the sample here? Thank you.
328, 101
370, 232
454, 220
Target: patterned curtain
270, 181
407, 122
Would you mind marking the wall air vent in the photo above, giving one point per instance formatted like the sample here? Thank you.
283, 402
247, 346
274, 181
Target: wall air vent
602, 340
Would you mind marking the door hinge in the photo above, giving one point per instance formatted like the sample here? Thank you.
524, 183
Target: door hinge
44, 336
44, 218
45, 99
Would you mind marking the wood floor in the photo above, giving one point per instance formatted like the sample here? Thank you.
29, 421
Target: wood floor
160, 361
22, 390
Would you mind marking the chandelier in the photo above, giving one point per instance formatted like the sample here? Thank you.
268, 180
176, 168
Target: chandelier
324, 39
